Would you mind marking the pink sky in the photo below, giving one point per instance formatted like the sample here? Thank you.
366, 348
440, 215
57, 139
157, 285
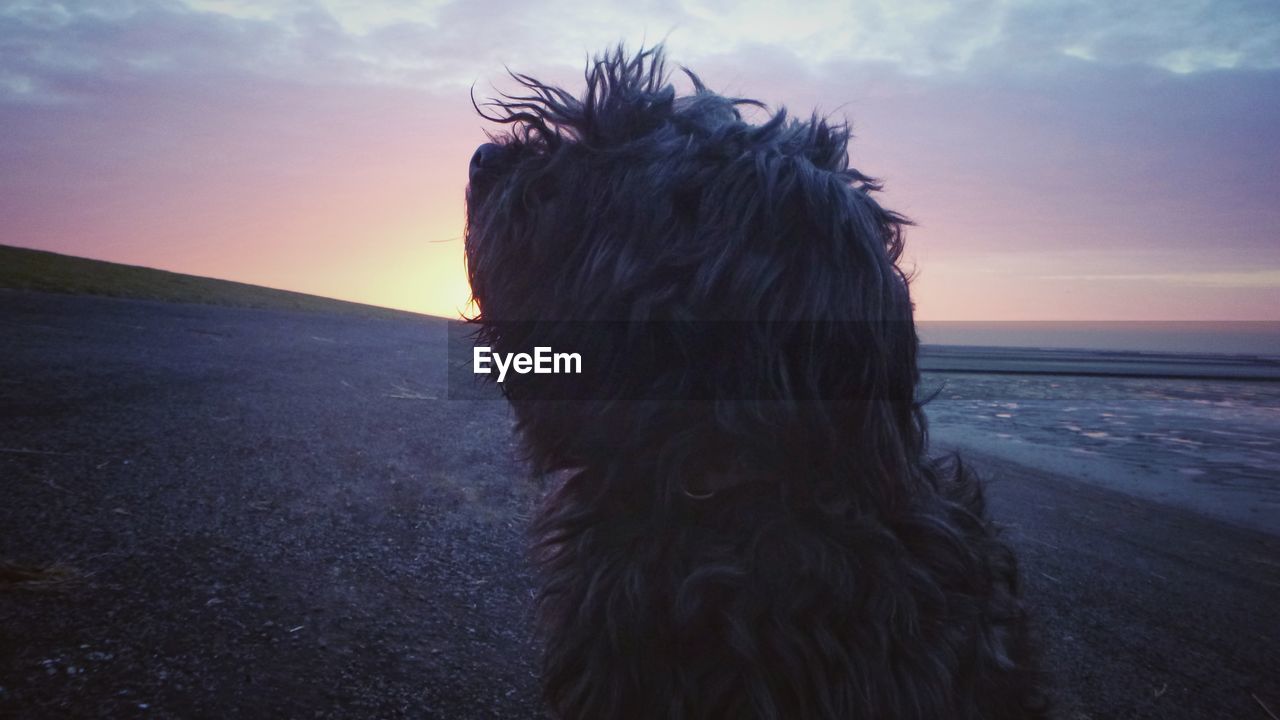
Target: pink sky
1071, 162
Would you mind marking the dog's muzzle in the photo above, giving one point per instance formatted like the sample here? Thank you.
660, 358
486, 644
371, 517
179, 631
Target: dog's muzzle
485, 160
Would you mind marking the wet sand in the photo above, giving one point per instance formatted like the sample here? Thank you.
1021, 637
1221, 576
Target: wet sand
1210, 445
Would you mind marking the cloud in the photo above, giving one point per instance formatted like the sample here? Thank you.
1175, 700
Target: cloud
51, 51
915, 36
1261, 279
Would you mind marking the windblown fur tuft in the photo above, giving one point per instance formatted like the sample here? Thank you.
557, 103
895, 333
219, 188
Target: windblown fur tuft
756, 531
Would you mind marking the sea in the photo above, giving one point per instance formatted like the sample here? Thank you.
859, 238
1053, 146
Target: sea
1186, 414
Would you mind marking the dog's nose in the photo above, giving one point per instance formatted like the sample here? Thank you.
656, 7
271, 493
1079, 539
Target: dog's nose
484, 158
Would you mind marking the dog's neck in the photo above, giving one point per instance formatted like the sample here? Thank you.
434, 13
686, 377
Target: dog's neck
708, 485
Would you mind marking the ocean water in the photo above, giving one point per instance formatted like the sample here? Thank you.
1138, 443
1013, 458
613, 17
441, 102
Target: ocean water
1260, 338
1197, 430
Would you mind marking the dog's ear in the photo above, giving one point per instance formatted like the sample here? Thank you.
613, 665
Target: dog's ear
786, 238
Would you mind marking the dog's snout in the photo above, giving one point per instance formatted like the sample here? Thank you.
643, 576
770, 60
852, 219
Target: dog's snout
484, 158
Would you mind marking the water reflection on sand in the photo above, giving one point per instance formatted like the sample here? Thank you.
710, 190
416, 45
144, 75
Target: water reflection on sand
1210, 445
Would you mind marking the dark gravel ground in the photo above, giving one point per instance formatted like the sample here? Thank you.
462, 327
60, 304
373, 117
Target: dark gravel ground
279, 514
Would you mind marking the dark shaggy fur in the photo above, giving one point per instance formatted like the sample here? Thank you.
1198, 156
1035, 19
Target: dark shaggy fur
750, 528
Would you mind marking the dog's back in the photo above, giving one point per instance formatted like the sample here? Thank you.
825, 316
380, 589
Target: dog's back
740, 607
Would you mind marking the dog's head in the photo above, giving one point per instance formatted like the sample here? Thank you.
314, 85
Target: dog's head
636, 204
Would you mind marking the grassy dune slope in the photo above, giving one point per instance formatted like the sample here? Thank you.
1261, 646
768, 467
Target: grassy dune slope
25, 269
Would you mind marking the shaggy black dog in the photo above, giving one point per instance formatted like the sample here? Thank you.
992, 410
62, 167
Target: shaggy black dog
748, 525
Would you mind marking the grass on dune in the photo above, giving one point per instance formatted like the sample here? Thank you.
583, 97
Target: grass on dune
26, 269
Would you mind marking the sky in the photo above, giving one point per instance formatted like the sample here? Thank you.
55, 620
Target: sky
1083, 160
